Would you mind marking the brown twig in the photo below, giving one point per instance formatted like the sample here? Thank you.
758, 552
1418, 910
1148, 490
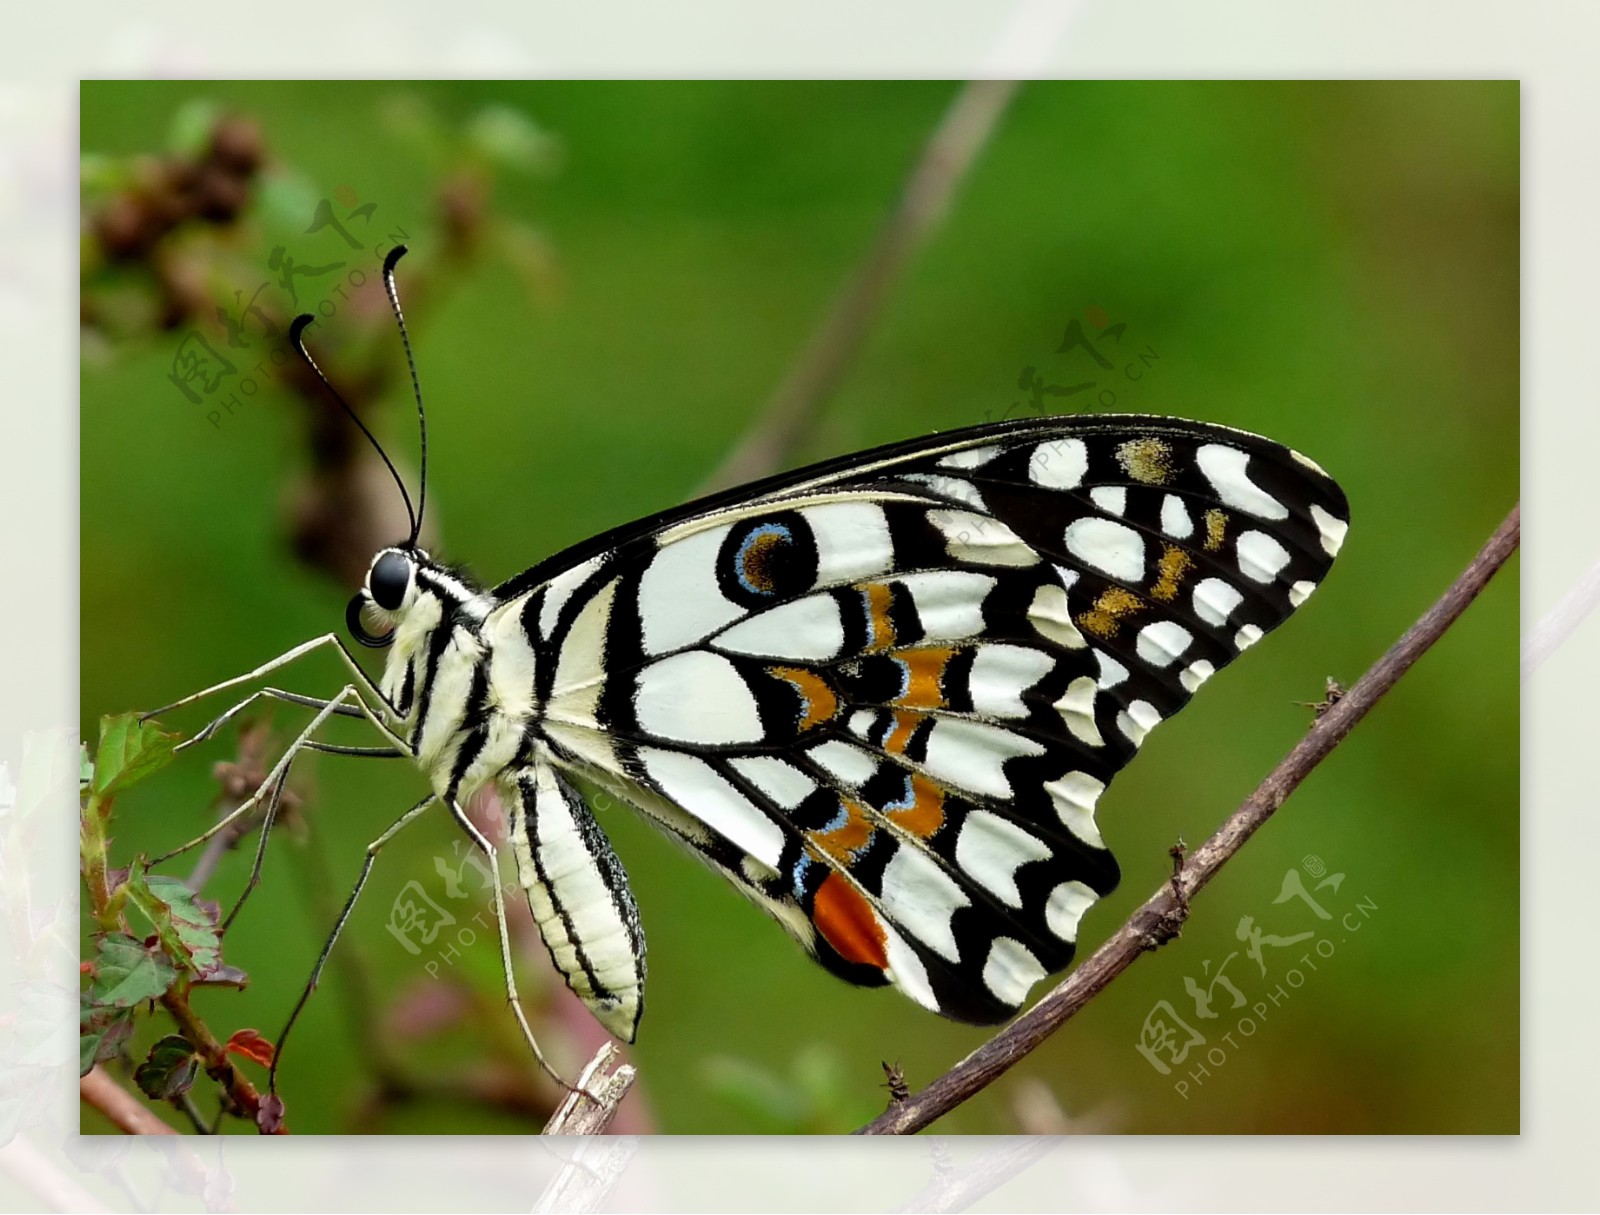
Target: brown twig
127, 1112
608, 1077
237, 1092
960, 136
1150, 924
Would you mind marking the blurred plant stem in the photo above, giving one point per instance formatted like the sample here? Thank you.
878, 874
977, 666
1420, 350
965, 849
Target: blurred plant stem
771, 439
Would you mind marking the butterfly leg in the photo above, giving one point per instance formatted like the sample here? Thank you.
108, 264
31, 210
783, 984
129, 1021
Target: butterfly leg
338, 927
280, 768
209, 731
493, 858
362, 679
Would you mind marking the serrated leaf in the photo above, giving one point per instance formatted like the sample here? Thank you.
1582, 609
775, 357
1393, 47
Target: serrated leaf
126, 972
223, 976
101, 1033
170, 1069
249, 1044
185, 924
129, 750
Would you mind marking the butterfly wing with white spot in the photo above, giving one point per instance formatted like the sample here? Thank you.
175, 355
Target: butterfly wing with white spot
883, 695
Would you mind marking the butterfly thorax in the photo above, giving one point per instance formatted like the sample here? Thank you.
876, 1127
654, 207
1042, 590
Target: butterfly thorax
464, 723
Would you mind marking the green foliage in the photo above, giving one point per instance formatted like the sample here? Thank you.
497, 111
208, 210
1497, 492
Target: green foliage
1331, 263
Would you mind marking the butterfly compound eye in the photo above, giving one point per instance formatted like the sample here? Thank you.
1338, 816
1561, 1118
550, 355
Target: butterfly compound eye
390, 576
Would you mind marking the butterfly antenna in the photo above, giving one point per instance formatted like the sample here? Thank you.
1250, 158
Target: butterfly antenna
389, 264
296, 328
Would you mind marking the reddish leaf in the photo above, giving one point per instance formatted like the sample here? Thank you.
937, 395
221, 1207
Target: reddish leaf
251, 1045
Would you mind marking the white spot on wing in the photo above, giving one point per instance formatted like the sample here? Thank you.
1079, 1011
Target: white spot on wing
949, 602
981, 540
697, 697
1059, 464
1113, 499
807, 628
696, 787
1162, 643
1195, 674
1247, 637
1214, 601
679, 600
1137, 720
1300, 592
1332, 528
1065, 908
1261, 558
1113, 548
1074, 797
1175, 520
906, 970
1011, 971
849, 764
1049, 615
852, 541
1227, 468
972, 457
969, 754
1076, 707
1001, 674
949, 487
921, 898
991, 849
779, 780
1112, 672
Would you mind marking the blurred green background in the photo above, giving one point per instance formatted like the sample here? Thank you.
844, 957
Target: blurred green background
1331, 264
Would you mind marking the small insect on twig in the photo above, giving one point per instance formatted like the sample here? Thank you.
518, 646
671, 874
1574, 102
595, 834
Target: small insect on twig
895, 1082
1332, 696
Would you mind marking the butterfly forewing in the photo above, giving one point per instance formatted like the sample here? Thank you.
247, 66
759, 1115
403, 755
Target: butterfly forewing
884, 695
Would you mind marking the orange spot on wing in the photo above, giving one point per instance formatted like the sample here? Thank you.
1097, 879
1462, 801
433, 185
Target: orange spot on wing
820, 701
848, 923
849, 837
1174, 566
905, 724
879, 597
1104, 617
925, 814
925, 676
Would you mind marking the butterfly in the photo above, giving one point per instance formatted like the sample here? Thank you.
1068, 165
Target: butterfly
881, 695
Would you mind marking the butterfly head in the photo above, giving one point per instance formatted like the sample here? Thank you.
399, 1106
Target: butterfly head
404, 583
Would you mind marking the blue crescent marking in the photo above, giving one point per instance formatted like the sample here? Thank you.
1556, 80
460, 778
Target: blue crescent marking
766, 529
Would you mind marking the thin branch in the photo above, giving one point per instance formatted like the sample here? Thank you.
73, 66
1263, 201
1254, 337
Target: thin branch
127, 1112
1158, 919
1561, 621
238, 1094
955, 144
608, 1077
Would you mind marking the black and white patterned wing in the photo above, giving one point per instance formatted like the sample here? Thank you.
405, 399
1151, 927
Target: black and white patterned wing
883, 695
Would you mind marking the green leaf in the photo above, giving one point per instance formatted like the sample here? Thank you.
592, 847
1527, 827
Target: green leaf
129, 751
511, 139
126, 972
189, 132
101, 1033
170, 1070
185, 924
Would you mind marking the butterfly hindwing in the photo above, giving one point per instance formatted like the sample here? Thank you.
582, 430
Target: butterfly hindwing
884, 695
